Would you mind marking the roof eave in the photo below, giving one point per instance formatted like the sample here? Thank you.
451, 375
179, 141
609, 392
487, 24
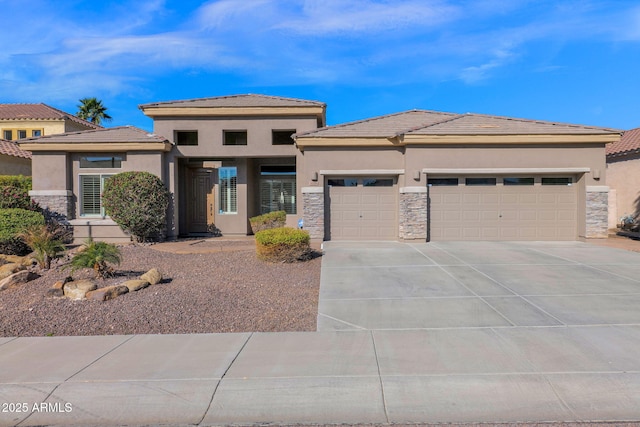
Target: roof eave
104, 146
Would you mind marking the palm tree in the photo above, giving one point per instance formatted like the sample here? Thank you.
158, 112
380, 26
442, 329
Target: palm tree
91, 109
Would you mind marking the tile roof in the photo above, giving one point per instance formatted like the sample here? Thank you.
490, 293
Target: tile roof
10, 148
629, 144
39, 112
248, 100
121, 134
424, 122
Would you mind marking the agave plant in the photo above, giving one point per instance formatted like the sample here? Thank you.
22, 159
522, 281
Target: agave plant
98, 256
44, 243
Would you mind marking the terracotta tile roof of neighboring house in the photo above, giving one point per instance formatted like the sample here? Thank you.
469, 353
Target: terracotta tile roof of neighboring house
629, 144
10, 148
249, 100
423, 122
39, 112
121, 134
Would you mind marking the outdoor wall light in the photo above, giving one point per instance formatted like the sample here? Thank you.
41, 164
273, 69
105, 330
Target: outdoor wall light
416, 175
596, 174
314, 176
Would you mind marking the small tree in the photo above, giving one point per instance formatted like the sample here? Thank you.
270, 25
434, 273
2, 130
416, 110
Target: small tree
98, 256
137, 202
44, 243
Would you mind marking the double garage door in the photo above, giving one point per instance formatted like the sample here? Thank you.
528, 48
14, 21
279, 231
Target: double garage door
503, 208
460, 208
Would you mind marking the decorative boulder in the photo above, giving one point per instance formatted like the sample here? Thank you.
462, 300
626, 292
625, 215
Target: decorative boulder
152, 276
57, 290
135, 285
78, 290
7, 270
107, 293
16, 279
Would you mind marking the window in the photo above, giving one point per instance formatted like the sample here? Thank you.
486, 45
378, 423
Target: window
442, 182
480, 181
22, 134
228, 178
377, 182
348, 182
91, 187
556, 181
282, 137
278, 189
36, 133
8, 135
235, 137
187, 137
517, 181
102, 162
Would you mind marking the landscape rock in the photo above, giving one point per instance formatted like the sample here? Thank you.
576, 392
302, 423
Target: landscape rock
78, 289
135, 284
25, 261
57, 290
107, 293
7, 270
152, 276
16, 279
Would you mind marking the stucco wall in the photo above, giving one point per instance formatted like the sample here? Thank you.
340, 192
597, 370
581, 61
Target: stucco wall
623, 176
50, 171
11, 165
50, 127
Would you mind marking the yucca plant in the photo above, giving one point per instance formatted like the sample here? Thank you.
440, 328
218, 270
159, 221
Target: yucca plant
44, 243
98, 256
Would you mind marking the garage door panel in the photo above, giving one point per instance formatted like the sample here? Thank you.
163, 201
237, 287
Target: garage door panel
362, 212
533, 212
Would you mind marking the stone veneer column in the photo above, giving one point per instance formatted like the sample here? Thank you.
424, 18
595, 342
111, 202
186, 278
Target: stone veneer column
313, 211
597, 211
57, 204
413, 213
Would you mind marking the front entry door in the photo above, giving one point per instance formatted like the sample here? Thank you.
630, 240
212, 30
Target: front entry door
200, 200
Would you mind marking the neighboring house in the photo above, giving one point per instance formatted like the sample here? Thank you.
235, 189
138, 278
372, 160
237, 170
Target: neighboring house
14, 160
623, 176
414, 175
19, 121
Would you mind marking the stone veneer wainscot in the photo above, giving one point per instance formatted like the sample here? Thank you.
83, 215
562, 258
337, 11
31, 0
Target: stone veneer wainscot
313, 211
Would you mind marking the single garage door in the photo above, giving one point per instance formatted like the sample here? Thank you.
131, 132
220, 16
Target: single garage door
362, 208
503, 208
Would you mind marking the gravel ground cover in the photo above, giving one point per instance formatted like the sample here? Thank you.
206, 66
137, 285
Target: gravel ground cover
225, 291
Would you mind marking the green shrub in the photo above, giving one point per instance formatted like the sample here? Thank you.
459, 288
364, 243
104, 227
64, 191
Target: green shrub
18, 181
14, 192
267, 221
13, 222
44, 243
98, 256
137, 202
282, 244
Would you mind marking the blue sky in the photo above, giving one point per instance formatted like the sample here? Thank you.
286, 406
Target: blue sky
566, 61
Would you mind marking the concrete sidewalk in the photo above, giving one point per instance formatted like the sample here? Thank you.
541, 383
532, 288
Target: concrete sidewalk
427, 376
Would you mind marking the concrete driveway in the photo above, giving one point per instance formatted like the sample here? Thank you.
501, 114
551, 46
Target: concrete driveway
395, 286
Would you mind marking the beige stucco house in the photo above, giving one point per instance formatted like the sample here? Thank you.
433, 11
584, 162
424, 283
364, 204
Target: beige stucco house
19, 121
14, 160
623, 176
418, 174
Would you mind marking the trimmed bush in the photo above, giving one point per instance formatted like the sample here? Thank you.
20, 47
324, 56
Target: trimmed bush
282, 244
267, 221
13, 222
137, 202
14, 192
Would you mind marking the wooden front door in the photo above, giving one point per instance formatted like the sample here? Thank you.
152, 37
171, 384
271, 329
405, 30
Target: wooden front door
199, 200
